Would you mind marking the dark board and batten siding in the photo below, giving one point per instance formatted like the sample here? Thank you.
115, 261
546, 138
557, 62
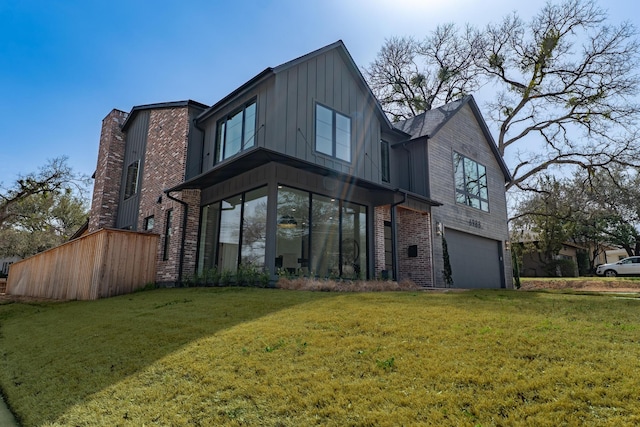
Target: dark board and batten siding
264, 98
195, 147
135, 149
325, 79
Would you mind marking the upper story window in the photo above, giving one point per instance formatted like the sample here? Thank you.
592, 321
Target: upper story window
471, 182
333, 133
236, 132
384, 161
131, 183
148, 223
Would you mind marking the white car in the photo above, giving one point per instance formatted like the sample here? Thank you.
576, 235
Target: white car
627, 266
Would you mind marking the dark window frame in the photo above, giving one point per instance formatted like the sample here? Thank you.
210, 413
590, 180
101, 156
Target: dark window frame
309, 247
470, 183
148, 223
131, 180
385, 170
221, 141
334, 133
215, 254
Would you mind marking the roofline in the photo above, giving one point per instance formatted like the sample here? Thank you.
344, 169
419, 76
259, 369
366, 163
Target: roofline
469, 99
243, 88
487, 133
160, 105
356, 71
267, 72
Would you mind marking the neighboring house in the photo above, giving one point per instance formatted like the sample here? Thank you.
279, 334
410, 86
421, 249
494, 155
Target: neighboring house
614, 255
299, 171
5, 263
534, 266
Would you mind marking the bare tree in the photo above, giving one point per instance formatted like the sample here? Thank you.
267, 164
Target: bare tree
565, 85
410, 77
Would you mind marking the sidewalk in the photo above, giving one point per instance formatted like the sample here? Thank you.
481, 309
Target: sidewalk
6, 417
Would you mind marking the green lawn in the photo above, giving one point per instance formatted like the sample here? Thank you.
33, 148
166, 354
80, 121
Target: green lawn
238, 356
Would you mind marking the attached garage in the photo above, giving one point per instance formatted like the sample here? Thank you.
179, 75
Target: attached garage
476, 262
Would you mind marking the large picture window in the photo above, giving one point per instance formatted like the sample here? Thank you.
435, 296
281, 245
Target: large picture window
471, 182
233, 231
236, 132
320, 236
333, 133
315, 235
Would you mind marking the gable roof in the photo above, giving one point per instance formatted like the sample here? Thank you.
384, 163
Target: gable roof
351, 66
244, 87
430, 122
355, 73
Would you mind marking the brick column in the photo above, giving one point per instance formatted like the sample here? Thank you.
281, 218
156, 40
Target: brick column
414, 228
106, 187
380, 215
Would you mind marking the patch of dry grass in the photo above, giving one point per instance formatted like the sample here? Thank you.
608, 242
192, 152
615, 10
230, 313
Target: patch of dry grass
324, 285
597, 284
282, 358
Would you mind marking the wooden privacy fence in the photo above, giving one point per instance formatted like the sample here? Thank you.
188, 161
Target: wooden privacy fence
102, 264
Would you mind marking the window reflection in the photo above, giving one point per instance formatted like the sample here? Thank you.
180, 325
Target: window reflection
229, 235
325, 220
225, 223
254, 228
330, 243
236, 132
292, 235
470, 182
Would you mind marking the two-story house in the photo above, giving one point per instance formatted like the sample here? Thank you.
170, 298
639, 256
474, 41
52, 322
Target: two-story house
299, 170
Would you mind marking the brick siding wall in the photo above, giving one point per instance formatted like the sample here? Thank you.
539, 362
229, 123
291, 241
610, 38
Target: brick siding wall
414, 228
106, 186
164, 167
380, 215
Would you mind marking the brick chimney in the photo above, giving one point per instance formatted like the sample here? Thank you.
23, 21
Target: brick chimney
106, 186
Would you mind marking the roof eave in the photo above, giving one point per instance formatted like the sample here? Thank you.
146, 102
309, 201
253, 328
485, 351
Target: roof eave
175, 104
245, 87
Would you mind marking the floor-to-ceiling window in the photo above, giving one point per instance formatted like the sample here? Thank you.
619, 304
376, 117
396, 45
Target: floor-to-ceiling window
229, 235
209, 227
325, 236
254, 228
292, 235
315, 235
233, 231
354, 240
320, 236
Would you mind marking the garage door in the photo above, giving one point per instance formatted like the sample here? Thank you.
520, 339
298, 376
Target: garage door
475, 261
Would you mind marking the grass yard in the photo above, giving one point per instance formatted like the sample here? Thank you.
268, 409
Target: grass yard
238, 356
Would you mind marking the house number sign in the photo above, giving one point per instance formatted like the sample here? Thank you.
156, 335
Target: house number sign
475, 223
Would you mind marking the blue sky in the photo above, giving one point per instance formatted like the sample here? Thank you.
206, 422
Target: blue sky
65, 64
